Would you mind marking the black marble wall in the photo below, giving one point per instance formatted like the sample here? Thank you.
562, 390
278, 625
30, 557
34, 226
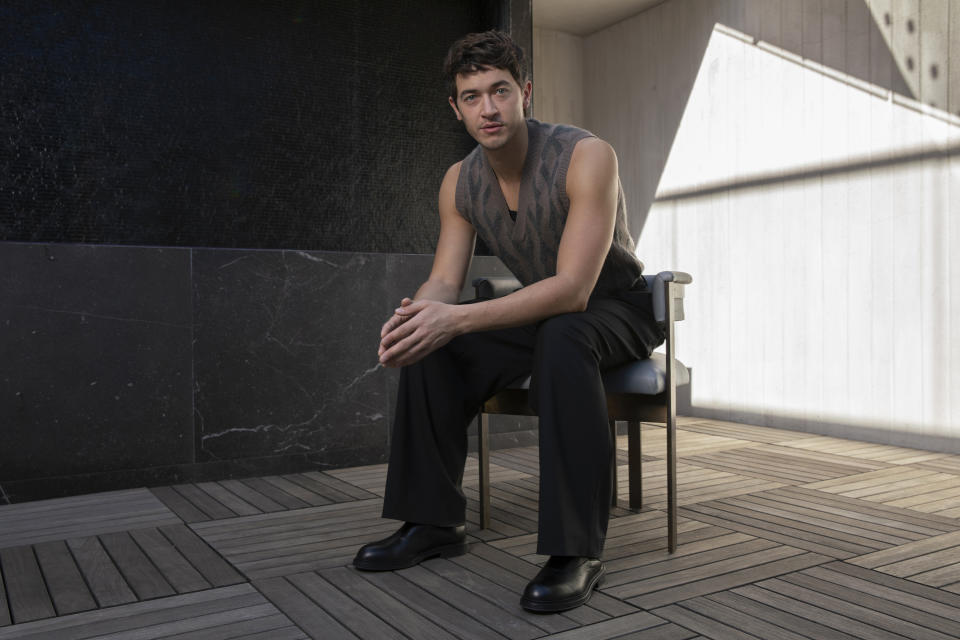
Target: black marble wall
206, 211
129, 366
294, 125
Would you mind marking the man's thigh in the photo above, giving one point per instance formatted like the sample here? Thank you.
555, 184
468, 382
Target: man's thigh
488, 361
615, 330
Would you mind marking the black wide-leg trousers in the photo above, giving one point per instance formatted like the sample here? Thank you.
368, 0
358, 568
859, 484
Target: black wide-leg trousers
440, 395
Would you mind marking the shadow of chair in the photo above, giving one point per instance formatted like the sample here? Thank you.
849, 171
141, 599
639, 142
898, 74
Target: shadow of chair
639, 391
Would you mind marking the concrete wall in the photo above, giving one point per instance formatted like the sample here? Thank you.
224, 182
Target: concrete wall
558, 91
800, 159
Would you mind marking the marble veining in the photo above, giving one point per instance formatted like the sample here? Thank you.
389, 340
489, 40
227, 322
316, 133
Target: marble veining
287, 373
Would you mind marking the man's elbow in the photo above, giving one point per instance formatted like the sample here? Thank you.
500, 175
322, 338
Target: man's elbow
578, 301
574, 295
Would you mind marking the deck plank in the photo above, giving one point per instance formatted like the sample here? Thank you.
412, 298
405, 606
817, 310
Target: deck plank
384, 605
213, 567
298, 491
176, 569
26, 589
213, 508
509, 623
432, 606
143, 577
5, 618
306, 613
105, 581
748, 432
67, 588
275, 493
337, 490
228, 499
371, 478
251, 496
769, 563
643, 625
179, 505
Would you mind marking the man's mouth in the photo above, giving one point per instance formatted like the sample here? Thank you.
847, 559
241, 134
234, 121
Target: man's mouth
492, 126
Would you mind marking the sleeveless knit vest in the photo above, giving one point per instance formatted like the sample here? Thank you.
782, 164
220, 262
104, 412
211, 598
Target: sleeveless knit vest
528, 247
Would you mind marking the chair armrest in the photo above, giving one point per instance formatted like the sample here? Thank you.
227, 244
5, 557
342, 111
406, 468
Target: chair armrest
661, 305
675, 276
487, 288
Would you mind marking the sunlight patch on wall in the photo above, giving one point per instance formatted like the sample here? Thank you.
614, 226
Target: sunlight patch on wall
812, 209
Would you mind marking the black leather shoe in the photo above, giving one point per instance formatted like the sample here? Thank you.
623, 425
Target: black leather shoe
410, 545
565, 582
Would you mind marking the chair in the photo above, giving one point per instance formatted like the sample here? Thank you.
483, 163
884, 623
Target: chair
644, 390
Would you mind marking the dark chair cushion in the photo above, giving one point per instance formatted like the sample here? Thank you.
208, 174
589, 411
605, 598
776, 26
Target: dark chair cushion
647, 377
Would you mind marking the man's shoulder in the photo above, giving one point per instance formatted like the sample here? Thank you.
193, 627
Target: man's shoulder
557, 129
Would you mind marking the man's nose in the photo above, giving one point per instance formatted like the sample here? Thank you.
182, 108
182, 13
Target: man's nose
487, 106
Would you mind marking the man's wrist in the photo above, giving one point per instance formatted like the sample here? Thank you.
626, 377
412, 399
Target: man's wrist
462, 318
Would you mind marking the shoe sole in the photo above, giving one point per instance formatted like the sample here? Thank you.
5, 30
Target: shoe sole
448, 551
564, 605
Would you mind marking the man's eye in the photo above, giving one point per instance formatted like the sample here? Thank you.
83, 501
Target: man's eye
501, 91
468, 98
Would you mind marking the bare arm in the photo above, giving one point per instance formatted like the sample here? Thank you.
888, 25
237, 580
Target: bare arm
450, 262
592, 182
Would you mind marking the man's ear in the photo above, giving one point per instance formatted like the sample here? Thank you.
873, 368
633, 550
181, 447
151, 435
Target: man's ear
527, 94
453, 105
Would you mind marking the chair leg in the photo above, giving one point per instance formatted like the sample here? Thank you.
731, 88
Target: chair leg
671, 478
671, 290
634, 453
614, 489
483, 454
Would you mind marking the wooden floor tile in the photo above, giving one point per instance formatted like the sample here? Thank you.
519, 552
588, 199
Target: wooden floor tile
62, 518
913, 487
787, 465
228, 612
820, 522
288, 542
865, 450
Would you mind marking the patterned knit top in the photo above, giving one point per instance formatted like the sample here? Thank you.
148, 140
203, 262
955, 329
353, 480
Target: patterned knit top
529, 245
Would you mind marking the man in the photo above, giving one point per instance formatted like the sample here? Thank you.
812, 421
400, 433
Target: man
547, 200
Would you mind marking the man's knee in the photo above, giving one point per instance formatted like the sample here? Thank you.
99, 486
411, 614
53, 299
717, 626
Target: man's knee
564, 337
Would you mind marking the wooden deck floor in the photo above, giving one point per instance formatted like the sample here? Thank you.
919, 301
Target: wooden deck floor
783, 535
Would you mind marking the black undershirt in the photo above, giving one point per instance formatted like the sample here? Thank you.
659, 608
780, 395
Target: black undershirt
513, 215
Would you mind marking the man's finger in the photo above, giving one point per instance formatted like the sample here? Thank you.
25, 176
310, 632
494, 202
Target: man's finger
391, 324
394, 342
412, 309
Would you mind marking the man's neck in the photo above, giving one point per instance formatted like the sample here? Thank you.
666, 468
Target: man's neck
507, 161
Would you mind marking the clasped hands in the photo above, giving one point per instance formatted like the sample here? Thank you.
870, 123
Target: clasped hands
416, 329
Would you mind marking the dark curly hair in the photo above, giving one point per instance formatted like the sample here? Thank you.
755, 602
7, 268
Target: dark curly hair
480, 51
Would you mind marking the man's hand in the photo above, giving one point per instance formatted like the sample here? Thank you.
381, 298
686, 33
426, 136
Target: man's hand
416, 330
395, 321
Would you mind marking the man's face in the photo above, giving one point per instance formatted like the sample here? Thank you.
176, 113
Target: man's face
491, 104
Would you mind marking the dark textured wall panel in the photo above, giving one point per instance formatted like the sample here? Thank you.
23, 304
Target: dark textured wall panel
95, 359
295, 125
